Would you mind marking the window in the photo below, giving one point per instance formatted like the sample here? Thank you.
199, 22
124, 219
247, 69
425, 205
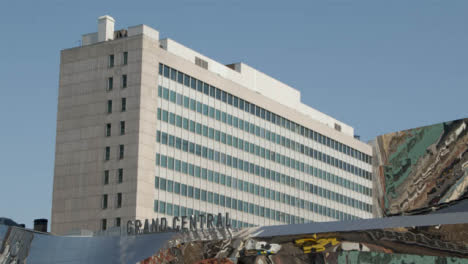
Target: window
166, 71
108, 130
107, 157
121, 151
119, 200
104, 201
173, 74
124, 81
162, 207
111, 61
169, 209
117, 221
124, 104
109, 106
106, 177
180, 77
162, 184
103, 224
125, 58
120, 176
110, 83
122, 127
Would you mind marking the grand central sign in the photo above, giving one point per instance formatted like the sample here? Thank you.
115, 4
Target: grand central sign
183, 223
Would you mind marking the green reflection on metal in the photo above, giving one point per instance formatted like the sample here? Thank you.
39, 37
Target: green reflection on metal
407, 155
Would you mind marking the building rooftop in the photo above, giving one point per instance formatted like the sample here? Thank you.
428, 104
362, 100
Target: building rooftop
239, 73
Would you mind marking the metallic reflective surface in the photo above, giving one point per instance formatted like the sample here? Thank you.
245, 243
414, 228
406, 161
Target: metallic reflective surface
435, 238
420, 170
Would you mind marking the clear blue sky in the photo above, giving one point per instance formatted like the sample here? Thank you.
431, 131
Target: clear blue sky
380, 66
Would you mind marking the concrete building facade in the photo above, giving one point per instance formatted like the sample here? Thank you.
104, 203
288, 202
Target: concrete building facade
147, 128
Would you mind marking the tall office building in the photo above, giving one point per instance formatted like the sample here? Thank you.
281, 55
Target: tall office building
147, 128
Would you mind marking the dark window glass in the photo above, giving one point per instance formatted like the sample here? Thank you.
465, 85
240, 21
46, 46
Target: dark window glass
110, 83
111, 60
108, 130
212, 91
223, 96
106, 177
124, 104
173, 74
109, 106
187, 80
124, 81
120, 176
166, 71
107, 156
125, 60
193, 83
119, 200
199, 85
180, 77
121, 151
104, 201
122, 127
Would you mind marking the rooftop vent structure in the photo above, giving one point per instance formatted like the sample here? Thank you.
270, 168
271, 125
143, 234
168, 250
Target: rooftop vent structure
337, 127
120, 34
105, 28
201, 63
40, 225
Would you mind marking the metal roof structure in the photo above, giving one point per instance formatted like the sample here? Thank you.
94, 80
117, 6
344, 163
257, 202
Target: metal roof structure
364, 224
36, 247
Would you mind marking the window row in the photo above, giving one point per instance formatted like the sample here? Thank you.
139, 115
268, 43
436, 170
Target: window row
120, 153
117, 223
259, 131
260, 171
111, 59
232, 182
118, 201
123, 105
109, 129
176, 210
244, 145
253, 109
120, 174
110, 82
228, 202
108, 133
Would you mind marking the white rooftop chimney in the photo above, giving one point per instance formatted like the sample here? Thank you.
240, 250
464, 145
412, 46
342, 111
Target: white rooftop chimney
105, 28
